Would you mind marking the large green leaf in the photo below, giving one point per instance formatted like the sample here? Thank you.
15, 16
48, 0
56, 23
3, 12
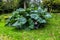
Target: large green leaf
16, 24
40, 20
34, 16
22, 20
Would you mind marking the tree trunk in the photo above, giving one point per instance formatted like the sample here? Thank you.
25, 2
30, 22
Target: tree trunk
24, 4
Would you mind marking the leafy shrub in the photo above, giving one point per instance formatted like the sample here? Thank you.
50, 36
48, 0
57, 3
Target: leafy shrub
28, 18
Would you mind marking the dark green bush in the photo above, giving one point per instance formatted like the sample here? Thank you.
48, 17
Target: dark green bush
29, 18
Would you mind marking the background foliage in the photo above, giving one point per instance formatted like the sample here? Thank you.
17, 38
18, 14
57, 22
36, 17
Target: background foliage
52, 5
9, 4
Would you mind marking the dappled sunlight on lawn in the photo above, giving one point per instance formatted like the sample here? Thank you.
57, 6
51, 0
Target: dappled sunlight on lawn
5, 37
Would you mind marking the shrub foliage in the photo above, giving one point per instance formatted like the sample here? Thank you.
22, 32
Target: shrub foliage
29, 18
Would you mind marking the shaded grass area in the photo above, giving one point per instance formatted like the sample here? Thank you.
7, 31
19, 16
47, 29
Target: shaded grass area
51, 31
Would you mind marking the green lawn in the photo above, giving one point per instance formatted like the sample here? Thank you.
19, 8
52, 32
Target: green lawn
50, 32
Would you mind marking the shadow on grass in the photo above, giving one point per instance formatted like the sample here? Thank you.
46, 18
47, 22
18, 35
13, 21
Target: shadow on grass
29, 30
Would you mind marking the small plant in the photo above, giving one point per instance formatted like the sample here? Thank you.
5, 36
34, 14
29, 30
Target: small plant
29, 18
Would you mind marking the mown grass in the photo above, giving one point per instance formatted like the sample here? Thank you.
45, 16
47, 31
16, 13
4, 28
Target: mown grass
50, 32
